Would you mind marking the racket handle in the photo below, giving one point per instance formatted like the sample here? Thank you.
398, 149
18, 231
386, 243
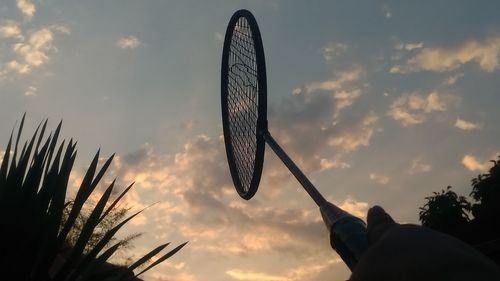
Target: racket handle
348, 234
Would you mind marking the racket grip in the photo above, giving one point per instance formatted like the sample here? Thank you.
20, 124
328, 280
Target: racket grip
348, 234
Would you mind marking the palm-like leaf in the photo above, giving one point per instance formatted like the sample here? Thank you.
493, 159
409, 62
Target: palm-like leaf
33, 185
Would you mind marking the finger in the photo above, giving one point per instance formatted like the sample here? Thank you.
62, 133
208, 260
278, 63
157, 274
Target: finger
379, 222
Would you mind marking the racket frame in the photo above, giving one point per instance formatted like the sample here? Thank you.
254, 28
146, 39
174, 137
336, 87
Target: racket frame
262, 104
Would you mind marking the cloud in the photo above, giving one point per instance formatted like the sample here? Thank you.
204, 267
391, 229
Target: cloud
352, 206
466, 125
316, 115
238, 274
199, 166
27, 8
10, 29
419, 166
32, 49
359, 134
345, 98
128, 42
486, 53
474, 165
336, 83
386, 11
396, 69
332, 50
181, 276
452, 79
320, 109
409, 46
379, 178
237, 228
33, 52
146, 168
60, 28
188, 125
198, 177
301, 272
343, 95
326, 164
32, 91
200, 204
413, 108
20, 68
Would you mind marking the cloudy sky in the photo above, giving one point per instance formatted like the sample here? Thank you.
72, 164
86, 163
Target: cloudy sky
379, 102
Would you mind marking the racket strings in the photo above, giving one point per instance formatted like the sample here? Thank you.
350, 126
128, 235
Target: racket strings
242, 99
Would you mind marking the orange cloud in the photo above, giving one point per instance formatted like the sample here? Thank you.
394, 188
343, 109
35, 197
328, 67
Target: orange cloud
466, 125
27, 8
128, 42
486, 53
413, 108
474, 165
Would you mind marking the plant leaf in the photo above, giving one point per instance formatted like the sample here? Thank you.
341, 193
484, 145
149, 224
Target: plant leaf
86, 233
142, 260
115, 202
162, 258
97, 262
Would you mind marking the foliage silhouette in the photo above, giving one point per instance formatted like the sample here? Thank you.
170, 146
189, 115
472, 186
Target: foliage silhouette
446, 211
33, 185
475, 220
486, 193
113, 218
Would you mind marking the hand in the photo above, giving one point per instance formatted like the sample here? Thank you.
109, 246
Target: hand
411, 252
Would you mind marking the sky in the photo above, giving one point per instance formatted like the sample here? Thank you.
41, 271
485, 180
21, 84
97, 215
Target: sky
379, 102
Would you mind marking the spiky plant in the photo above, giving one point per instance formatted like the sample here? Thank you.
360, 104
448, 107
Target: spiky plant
33, 185
112, 219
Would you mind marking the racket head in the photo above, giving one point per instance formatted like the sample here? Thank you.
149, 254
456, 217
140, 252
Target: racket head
244, 102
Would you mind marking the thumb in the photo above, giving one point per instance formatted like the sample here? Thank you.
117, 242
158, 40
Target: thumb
379, 222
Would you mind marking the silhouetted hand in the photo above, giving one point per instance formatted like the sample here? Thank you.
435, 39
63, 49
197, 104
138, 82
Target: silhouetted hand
410, 252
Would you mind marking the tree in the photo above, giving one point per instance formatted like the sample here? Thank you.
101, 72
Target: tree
486, 193
475, 220
446, 211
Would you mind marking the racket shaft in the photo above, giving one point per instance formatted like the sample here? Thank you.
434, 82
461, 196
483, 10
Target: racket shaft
348, 235
303, 180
